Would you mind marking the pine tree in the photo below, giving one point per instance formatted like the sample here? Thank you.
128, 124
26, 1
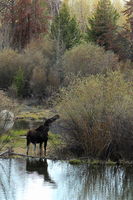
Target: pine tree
64, 29
19, 82
129, 13
103, 24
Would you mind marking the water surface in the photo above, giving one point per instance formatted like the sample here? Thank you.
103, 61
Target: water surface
55, 180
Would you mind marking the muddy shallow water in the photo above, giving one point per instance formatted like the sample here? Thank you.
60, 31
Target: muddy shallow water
58, 180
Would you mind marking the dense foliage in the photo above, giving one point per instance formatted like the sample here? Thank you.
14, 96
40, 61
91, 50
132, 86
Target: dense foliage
103, 24
98, 113
65, 29
86, 59
83, 48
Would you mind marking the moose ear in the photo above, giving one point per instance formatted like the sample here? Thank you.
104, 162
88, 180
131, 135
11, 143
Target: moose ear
57, 116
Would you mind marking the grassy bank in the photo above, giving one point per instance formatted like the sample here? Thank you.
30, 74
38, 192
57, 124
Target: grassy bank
99, 162
55, 149
34, 113
17, 140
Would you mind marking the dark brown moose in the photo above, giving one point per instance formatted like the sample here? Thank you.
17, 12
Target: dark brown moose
40, 135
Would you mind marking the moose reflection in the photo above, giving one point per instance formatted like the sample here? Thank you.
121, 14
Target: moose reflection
41, 167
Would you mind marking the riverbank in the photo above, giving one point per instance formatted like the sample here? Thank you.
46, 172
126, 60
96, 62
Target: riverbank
99, 162
55, 151
56, 148
30, 117
17, 141
80, 161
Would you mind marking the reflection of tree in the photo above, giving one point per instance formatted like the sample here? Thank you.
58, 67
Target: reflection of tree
83, 182
127, 184
7, 107
41, 167
102, 182
6, 184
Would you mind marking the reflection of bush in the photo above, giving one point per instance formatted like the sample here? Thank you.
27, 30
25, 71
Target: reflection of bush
98, 114
105, 182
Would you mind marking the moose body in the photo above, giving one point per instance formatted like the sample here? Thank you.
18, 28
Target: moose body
40, 135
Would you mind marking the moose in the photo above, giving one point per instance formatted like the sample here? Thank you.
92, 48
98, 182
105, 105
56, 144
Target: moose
40, 135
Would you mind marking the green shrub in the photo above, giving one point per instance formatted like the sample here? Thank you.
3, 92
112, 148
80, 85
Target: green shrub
75, 162
9, 60
97, 111
38, 81
19, 82
89, 59
39, 57
38, 61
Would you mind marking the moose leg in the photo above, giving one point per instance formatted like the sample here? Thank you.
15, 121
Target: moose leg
40, 149
34, 148
28, 146
45, 145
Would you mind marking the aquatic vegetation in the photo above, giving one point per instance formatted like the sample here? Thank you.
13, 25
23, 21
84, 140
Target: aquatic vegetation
75, 162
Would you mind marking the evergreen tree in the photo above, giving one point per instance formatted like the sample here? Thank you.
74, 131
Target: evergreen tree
65, 30
19, 82
129, 13
103, 24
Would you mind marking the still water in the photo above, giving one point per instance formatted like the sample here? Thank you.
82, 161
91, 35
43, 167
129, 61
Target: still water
29, 124
58, 180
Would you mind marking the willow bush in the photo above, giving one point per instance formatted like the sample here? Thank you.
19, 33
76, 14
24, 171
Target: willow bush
89, 59
37, 62
97, 111
9, 60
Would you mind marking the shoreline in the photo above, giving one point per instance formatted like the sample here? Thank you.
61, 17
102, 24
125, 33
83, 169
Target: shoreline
73, 161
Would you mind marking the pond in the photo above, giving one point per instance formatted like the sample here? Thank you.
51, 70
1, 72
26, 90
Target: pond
26, 124
39, 179
29, 124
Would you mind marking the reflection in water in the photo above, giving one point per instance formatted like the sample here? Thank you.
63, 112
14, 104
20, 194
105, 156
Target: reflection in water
41, 167
102, 183
9, 176
33, 179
